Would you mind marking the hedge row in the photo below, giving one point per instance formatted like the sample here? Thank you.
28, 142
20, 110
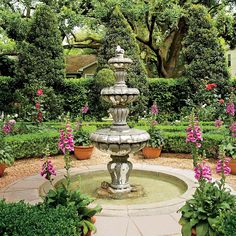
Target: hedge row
33, 144
176, 142
38, 220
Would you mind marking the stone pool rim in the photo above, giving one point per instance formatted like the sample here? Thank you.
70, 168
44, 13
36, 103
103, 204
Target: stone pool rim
39, 185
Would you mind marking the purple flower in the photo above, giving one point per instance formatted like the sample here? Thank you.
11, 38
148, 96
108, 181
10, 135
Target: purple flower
154, 109
223, 166
233, 129
85, 109
8, 126
12, 122
154, 122
66, 141
202, 171
218, 123
194, 134
47, 170
230, 110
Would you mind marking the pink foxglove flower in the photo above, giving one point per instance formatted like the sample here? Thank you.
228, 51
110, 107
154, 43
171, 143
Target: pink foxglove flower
85, 109
47, 170
66, 141
230, 109
202, 171
218, 123
154, 109
223, 166
233, 129
194, 134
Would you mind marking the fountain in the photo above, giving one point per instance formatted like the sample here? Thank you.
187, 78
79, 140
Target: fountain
119, 140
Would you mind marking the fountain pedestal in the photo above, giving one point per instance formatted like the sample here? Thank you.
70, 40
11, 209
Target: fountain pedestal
120, 140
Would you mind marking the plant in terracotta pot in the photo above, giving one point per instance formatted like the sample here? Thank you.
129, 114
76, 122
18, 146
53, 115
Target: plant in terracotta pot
154, 145
230, 148
6, 157
83, 148
156, 141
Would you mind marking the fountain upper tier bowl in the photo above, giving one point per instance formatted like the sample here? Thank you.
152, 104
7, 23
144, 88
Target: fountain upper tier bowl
119, 143
120, 95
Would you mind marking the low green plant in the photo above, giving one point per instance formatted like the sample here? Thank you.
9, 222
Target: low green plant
228, 224
6, 156
38, 220
81, 138
204, 208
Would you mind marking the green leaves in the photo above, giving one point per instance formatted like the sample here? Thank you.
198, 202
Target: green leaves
203, 210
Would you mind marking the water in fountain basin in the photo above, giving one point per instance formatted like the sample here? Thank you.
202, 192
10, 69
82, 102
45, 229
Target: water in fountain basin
157, 186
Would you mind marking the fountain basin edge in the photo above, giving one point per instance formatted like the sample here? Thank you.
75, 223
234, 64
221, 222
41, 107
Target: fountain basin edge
163, 207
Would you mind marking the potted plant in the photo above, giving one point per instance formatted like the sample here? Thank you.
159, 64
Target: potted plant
230, 149
83, 148
6, 158
154, 145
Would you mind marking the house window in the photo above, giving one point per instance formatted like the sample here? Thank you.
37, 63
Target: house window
89, 75
229, 60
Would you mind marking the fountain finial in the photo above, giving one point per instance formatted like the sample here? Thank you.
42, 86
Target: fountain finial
120, 50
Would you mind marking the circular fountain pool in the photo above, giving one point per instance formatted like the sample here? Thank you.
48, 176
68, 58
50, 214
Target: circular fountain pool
157, 186
166, 189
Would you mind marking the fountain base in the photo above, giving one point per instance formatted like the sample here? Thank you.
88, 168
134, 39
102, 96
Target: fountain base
107, 192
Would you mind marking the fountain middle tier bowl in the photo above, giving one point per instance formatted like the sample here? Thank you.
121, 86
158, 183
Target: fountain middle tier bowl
119, 143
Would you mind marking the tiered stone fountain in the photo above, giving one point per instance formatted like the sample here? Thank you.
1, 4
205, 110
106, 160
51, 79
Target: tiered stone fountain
119, 140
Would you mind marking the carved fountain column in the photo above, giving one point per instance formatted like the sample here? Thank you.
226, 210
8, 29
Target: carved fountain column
120, 140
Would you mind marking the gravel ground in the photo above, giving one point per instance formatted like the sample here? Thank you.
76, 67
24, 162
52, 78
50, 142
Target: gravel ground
27, 167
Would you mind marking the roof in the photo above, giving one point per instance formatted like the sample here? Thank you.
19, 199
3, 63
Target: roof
77, 63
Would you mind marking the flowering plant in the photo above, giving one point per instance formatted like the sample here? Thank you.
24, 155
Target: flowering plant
210, 199
38, 110
63, 195
156, 139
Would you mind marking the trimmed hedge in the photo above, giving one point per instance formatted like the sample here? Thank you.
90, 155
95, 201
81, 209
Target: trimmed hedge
33, 144
76, 94
176, 142
38, 220
170, 95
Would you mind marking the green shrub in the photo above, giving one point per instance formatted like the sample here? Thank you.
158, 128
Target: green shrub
170, 95
28, 220
7, 88
229, 224
76, 93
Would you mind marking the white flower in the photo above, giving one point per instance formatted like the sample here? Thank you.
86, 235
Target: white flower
16, 115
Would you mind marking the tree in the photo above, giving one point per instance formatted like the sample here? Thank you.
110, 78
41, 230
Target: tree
120, 33
204, 55
40, 59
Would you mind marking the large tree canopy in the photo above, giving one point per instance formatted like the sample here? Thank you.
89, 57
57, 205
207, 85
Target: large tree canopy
159, 25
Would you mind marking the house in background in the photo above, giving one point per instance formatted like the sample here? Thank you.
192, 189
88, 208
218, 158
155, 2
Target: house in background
78, 66
231, 61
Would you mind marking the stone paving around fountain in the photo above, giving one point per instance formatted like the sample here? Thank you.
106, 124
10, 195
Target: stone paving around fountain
142, 220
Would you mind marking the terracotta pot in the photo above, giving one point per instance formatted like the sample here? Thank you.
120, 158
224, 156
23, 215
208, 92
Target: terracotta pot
83, 152
232, 165
2, 168
150, 152
194, 232
93, 220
